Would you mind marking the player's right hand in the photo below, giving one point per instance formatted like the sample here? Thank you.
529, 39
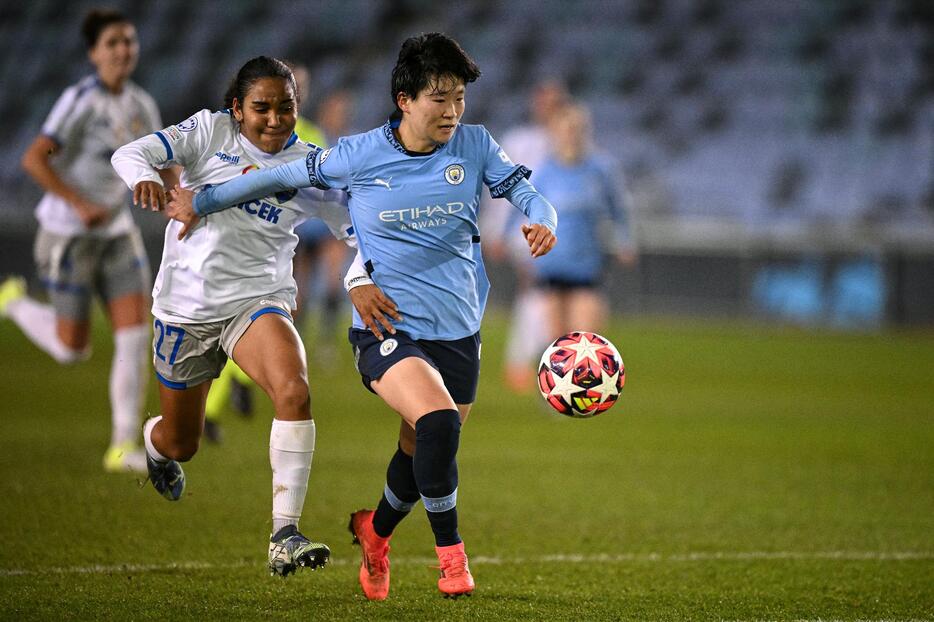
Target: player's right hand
149, 195
181, 208
373, 306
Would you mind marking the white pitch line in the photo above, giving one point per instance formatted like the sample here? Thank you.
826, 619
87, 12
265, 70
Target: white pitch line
500, 561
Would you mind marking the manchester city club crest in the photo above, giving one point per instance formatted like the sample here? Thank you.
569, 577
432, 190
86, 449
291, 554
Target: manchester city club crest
387, 347
454, 174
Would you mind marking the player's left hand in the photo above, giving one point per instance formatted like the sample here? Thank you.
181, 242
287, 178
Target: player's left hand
540, 239
181, 208
373, 306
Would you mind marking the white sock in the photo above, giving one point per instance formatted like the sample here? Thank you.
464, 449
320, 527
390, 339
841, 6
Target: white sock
527, 330
128, 381
291, 446
37, 321
147, 439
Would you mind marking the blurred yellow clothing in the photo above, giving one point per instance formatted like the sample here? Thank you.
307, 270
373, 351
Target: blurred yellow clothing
219, 394
308, 132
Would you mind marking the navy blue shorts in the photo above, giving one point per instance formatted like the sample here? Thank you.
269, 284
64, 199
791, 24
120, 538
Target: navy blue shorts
564, 285
457, 361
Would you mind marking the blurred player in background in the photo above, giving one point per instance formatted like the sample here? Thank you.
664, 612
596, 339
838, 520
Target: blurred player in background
87, 242
528, 144
584, 187
226, 290
316, 245
415, 187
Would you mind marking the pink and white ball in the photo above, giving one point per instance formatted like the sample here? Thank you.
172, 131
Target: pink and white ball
581, 374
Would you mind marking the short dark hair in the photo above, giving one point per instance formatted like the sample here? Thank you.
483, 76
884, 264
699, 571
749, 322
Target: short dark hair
97, 20
429, 57
256, 69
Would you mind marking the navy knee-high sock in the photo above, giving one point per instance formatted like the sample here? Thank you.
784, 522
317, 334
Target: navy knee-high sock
437, 435
399, 495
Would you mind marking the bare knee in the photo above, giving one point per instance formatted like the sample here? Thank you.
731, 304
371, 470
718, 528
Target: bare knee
291, 399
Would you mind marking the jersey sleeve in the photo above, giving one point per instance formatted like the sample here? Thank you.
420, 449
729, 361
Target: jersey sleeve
330, 168
510, 181
185, 143
67, 115
323, 169
293, 175
182, 144
499, 172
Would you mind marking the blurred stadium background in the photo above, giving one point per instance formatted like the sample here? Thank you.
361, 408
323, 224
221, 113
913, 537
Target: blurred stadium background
779, 156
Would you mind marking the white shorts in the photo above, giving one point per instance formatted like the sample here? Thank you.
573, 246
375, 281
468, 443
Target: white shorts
186, 355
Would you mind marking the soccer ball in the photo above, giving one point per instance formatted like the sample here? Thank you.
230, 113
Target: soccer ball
581, 374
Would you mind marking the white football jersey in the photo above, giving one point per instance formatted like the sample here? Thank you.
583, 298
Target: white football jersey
238, 254
89, 122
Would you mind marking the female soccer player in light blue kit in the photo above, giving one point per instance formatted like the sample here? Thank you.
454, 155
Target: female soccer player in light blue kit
585, 190
226, 290
414, 187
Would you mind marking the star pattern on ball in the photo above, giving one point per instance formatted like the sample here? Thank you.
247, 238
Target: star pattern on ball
585, 349
607, 386
564, 386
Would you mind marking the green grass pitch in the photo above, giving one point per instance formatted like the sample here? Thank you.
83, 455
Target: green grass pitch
747, 473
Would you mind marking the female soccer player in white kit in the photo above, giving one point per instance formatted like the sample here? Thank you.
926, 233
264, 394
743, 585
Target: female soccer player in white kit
226, 289
87, 242
414, 187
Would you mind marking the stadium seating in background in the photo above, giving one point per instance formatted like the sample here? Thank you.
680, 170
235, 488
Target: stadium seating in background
754, 110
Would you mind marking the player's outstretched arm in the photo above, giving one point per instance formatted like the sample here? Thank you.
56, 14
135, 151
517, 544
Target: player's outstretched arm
543, 219
255, 185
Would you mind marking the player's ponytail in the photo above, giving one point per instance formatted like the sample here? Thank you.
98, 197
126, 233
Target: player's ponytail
256, 69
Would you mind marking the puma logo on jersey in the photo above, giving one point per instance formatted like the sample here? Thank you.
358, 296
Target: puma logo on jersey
383, 182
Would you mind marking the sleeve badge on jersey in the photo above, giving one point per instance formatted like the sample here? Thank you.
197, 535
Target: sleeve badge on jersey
173, 134
504, 157
324, 156
454, 174
188, 124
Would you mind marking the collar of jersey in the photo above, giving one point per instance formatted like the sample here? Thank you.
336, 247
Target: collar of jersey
391, 137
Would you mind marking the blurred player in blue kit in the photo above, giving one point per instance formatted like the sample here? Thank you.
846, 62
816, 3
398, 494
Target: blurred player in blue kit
584, 187
529, 332
225, 289
414, 187
87, 242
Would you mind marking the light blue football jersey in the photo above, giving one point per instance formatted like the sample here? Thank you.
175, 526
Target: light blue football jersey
593, 221
415, 216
